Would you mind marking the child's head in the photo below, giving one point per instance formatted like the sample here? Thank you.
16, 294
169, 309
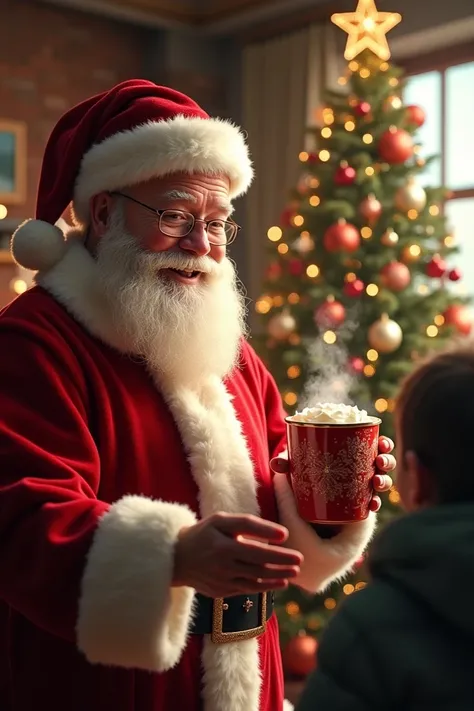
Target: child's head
435, 431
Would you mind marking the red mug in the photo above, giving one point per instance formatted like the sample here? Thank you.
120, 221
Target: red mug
331, 469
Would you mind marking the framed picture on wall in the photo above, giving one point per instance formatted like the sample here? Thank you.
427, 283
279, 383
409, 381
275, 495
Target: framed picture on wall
13, 162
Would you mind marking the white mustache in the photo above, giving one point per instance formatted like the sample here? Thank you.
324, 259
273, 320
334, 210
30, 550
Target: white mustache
174, 260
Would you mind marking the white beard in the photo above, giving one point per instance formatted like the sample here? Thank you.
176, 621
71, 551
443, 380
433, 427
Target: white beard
184, 333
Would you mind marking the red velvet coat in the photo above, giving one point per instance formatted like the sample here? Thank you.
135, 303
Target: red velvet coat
99, 471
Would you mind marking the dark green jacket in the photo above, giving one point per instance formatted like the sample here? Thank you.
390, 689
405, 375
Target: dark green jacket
405, 642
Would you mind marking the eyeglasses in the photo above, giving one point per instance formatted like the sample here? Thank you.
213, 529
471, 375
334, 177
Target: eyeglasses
178, 224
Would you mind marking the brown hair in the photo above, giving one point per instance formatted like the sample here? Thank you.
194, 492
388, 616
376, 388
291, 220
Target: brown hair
435, 419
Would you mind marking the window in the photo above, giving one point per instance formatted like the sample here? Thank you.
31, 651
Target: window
445, 91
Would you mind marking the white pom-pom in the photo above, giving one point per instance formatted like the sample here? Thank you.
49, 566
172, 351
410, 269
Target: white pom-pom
37, 245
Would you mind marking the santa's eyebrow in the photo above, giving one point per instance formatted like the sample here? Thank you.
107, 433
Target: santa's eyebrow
223, 205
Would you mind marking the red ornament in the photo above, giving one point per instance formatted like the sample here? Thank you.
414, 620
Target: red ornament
313, 158
330, 314
436, 268
395, 146
295, 267
458, 316
395, 276
454, 275
345, 175
354, 289
341, 237
356, 364
299, 655
274, 271
416, 115
370, 209
286, 217
363, 108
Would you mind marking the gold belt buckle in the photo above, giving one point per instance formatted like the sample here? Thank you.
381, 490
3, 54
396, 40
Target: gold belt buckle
218, 636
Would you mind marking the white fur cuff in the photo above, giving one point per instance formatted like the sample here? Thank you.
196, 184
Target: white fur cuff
129, 616
324, 560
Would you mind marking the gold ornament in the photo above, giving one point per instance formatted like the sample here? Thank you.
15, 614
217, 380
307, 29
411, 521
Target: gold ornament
410, 197
385, 335
281, 326
411, 253
389, 238
392, 103
366, 29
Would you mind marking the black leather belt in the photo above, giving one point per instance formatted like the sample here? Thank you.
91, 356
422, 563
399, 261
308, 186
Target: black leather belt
232, 618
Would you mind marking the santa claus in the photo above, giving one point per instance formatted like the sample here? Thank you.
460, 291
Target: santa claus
143, 531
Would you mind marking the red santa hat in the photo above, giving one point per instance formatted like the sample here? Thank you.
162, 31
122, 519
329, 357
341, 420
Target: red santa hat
127, 135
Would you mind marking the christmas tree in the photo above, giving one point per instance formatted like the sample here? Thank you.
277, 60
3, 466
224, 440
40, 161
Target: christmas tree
360, 271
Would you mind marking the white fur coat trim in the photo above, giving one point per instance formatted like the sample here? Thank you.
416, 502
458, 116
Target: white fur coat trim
324, 560
223, 471
158, 148
129, 615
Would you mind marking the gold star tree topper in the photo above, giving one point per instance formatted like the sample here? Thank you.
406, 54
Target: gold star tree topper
367, 29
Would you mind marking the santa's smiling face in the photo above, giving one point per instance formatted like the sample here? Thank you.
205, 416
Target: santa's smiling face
171, 290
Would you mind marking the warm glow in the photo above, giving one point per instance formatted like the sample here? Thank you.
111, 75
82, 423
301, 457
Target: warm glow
314, 200
274, 234
283, 248
263, 305
329, 337
360, 586
278, 300
370, 171
369, 371
412, 214
393, 81
294, 371
423, 289
324, 156
350, 277
449, 241
432, 331
290, 399
384, 67
326, 132
342, 81
298, 220
303, 156
294, 339
292, 609
314, 183
394, 497
3, 212
349, 125
293, 298
434, 210
328, 116
348, 589
365, 73
381, 405
372, 289
368, 138
353, 66
312, 271
330, 603
372, 355
439, 320
19, 286
415, 250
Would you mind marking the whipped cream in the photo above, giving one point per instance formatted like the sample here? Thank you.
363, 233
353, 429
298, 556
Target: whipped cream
331, 413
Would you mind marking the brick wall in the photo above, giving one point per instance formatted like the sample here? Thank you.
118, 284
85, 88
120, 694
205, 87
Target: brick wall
51, 58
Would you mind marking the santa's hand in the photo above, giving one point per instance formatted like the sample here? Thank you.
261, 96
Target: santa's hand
384, 463
225, 555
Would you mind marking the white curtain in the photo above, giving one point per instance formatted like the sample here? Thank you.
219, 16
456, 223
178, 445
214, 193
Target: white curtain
283, 85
